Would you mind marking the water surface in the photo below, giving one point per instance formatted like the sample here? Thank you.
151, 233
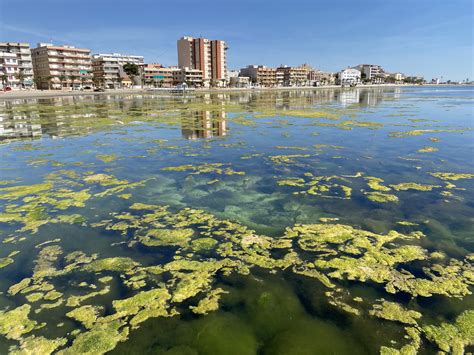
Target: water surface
240, 223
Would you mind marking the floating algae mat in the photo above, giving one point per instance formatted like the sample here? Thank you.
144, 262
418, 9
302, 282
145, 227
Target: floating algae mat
290, 222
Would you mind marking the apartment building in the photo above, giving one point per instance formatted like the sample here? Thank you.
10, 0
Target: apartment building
293, 76
261, 75
191, 77
58, 67
157, 75
319, 77
108, 68
349, 76
371, 72
16, 68
208, 56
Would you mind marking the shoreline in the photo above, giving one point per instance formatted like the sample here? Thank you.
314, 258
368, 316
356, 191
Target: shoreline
38, 94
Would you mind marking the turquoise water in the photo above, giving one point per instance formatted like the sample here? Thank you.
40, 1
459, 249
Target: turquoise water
291, 251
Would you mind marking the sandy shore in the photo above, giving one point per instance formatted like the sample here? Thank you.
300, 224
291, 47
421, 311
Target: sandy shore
11, 95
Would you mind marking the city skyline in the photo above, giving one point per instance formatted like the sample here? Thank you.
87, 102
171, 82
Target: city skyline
417, 38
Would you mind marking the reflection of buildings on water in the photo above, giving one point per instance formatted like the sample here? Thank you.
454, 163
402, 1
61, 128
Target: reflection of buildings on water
349, 97
18, 126
204, 124
360, 97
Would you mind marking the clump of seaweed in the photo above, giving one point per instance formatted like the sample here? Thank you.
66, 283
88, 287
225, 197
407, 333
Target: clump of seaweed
453, 337
427, 149
395, 312
377, 196
323, 186
452, 176
216, 168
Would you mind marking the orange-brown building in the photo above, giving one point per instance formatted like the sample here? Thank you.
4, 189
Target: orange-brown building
209, 56
59, 67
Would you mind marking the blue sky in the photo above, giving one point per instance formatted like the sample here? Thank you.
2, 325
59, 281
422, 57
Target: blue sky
420, 37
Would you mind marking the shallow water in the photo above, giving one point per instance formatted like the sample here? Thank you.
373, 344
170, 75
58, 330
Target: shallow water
273, 173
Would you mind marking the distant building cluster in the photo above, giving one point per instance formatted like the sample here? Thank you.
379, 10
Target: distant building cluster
201, 63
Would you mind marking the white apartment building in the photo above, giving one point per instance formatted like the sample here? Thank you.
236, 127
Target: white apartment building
16, 68
108, 68
208, 56
349, 76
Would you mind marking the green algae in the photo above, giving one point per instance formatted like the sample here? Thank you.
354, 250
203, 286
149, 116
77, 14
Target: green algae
419, 132
152, 303
104, 180
167, 237
452, 176
407, 223
216, 168
87, 315
37, 345
376, 184
427, 149
102, 338
287, 159
395, 312
413, 334
322, 186
119, 264
16, 192
413, 186
203, 244
209, 303
15, 323
4, 262
453, 337
75, 301
106, 158
377, 196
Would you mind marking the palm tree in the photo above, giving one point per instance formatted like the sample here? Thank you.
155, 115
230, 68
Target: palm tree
83, 81
96, 81
62, 78
4, 79
49, 79
37, 80
21, 77
73, 79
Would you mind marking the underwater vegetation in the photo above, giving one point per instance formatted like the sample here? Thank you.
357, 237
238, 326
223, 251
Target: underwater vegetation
255, 223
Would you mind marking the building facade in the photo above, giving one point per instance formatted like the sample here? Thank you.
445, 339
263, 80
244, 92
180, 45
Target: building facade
188, 76
319, 77
371, 72
108, 68
208, 56
261, 75
293, 76
16, 67
349, 76
157, 76
58, 67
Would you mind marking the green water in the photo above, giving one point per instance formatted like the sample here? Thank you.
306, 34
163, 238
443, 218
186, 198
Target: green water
293, 222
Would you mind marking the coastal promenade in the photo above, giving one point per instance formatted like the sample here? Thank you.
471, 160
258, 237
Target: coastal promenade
26, 94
